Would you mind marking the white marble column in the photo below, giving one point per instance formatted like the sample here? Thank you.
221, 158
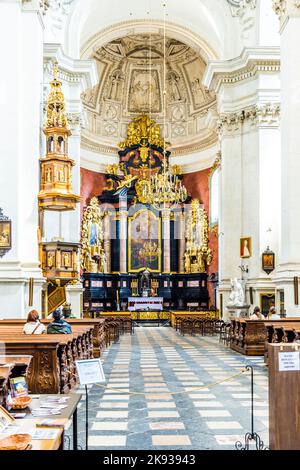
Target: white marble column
249, 112
20, 84
289, 259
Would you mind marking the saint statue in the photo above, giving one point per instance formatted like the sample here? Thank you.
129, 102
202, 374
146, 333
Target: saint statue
173, 87
145, 283
237, 295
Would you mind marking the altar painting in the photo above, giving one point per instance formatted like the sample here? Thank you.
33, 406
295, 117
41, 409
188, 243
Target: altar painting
144, 242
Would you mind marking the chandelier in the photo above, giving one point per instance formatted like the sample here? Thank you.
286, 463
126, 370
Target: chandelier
166, 188
150, 250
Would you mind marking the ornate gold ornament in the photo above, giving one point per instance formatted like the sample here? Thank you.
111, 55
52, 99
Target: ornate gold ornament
143, 130
56, 112
93, 259
127, 181
197, 256
112, 169
163, 188
56, 168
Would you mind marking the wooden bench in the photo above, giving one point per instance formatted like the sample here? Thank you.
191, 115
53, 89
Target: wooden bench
53, 366
97, 324
281, 331
248, 337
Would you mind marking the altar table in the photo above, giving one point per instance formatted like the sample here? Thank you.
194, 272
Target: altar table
145, 303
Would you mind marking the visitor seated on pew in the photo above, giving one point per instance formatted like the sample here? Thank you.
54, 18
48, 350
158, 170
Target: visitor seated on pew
33, 325
272, 314
256, 315
59, 326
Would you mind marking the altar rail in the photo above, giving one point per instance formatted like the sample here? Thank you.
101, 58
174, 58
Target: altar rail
248, 337
176, 316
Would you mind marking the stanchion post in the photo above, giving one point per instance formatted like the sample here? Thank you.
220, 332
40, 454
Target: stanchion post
251, 437
86, 419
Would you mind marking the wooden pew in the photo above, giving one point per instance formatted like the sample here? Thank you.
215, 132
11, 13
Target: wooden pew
53, 367
97, 324
281, 331
248, 337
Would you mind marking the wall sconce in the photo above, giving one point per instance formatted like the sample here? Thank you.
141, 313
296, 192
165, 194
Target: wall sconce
268, 261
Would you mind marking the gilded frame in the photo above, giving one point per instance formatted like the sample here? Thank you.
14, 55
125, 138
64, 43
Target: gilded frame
246, 244
130, 220
266, 295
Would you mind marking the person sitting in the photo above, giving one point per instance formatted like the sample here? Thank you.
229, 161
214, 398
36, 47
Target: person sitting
33, 326
256, 315
272, 314
58, 326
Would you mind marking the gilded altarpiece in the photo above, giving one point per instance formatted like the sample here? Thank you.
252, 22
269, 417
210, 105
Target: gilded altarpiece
131, 231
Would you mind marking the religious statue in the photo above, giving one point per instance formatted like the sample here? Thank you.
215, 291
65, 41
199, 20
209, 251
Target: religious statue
187, 262
145, 283
115, 85
237, 295
173, 87
50, 260
48, 174
66, 260
93, 258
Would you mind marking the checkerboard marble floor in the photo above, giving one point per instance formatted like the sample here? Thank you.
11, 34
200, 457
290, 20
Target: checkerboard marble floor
159, 363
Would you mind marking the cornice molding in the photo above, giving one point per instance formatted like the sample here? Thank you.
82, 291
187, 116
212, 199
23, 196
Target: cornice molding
260, 115
97, 162
187, 149
73, 71
248, 65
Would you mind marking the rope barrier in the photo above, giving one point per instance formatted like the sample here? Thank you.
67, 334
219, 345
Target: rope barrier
214, 384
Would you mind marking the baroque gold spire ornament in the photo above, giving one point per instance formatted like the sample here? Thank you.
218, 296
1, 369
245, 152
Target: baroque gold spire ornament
56, 167
143, 130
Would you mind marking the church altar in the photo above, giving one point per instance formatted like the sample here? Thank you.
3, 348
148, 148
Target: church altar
136, 240
145, 303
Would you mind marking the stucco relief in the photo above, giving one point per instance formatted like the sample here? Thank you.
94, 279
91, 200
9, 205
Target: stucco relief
134, 78
286, 8
144, 93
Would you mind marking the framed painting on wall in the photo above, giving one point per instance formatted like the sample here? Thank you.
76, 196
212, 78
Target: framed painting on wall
5, 235
144, 242
246, 247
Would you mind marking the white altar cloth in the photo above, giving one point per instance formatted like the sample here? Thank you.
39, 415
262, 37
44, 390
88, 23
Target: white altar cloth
145, 303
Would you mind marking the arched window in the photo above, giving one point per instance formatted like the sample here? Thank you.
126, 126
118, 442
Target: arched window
50, 144
61, 144
214, 197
